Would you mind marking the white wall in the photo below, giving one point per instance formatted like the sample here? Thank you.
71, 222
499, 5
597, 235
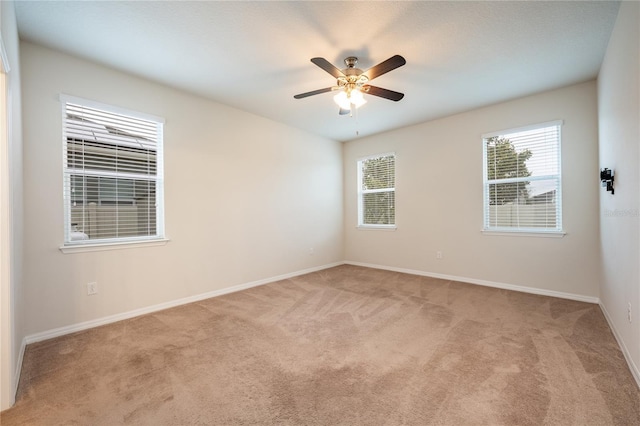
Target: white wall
439, 198
246, 198
11, 215
618, 118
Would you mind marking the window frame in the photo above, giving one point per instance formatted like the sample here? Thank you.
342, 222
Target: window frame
159, 238
558, 230
361, 193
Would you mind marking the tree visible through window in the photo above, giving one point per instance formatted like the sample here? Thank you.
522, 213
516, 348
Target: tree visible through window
522, 185
376, 191
504, 162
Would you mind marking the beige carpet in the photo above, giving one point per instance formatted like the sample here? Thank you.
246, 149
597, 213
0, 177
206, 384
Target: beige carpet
344, 346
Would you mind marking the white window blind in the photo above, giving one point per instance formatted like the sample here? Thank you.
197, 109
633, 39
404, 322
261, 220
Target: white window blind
376, 191
522, 179
113, 175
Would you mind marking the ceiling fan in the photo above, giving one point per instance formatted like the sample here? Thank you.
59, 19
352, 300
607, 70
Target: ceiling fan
352, 82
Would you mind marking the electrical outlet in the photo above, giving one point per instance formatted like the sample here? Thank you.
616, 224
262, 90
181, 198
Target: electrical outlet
311, 251
629, 312
438, 254
92, 288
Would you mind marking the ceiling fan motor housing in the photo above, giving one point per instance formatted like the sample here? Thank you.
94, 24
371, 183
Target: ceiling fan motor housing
353, 77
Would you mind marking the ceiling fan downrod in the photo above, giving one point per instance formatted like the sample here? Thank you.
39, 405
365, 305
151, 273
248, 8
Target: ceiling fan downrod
351, 61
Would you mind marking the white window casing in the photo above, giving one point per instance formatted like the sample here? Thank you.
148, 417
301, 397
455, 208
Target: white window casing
522, 180
376, 191
113, 177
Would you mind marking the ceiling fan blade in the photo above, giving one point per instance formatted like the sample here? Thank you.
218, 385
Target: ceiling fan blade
344, 111
314, 92
383, 93
384, 67
327, 66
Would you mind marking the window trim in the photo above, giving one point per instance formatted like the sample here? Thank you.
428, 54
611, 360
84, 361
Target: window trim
360, 193
71, 246
110, 108
112, 245
559, 231
544, 234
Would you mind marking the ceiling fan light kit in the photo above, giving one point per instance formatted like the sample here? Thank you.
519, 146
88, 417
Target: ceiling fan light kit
352, 82
345, 99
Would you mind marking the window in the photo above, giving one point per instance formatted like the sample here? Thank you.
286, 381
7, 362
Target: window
113, 174
522, 179
376, 191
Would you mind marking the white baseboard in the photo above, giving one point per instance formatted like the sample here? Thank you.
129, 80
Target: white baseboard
627, 356
635, 371
61, 331
16, 374
37, 337
523, 289
56, 332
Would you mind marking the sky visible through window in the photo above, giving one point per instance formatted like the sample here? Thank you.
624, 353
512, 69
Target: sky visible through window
544, 158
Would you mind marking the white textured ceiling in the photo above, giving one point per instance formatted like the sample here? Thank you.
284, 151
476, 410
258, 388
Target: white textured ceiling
255, 55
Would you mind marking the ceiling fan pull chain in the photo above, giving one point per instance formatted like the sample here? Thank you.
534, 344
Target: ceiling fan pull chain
357, 122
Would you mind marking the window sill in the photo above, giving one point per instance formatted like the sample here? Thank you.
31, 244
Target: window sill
542, 234
377, 227
79, 248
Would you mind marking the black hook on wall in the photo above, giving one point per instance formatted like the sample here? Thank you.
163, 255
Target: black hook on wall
606, 177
